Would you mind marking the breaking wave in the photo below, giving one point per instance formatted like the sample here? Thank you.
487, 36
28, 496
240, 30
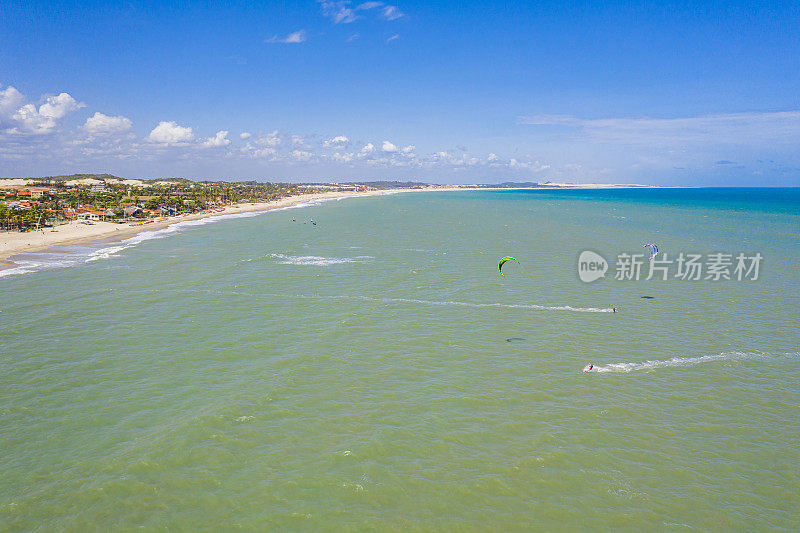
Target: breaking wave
315, 260
67, 256
309, 203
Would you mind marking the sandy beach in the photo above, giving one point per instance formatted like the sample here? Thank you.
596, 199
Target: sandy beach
12, 243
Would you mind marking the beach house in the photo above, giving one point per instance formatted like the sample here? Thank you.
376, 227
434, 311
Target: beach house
93, 214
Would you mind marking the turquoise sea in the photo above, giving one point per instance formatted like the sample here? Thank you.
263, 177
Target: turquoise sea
375, 372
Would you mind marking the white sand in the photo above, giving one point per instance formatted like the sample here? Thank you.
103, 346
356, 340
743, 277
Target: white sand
594, 185
14, 182
12, 243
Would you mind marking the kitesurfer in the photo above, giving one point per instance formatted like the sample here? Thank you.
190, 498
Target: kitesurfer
588, 368
653, 250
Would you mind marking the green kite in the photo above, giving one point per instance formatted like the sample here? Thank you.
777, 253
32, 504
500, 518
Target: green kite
503, 261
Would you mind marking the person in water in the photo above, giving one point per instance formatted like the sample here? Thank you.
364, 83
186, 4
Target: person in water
589, 369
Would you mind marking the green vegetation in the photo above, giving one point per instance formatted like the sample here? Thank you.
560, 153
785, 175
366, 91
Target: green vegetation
103, 196
25, 218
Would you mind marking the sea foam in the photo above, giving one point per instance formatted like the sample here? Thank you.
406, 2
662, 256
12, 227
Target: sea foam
315, 260
67, 256
63, 257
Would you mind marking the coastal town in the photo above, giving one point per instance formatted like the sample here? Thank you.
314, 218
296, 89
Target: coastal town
40, 213
32, 204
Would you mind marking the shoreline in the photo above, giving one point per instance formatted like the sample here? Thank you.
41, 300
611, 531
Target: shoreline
15, 243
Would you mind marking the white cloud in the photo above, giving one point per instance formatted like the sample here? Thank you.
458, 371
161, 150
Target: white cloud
100, 124
56, 107
293, 38
366, 150
10, 100
340, 141
264, 147
445, 159
262, 153
346, 157
220, 139
301, 155
393, 38
45, 119
271, 139
298, 141
732, 128
338, 11
627, 149
391, 13
352, 38
171, 133
762, 144
535, 166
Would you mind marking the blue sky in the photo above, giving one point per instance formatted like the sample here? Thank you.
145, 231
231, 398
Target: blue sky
674, 94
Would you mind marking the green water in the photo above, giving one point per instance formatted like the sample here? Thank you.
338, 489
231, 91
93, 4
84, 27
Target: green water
374, 371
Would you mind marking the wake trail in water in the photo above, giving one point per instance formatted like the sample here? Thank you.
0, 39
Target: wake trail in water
685, 361
446, 303
474, 305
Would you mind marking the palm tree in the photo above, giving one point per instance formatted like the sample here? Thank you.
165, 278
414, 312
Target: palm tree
5, 216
